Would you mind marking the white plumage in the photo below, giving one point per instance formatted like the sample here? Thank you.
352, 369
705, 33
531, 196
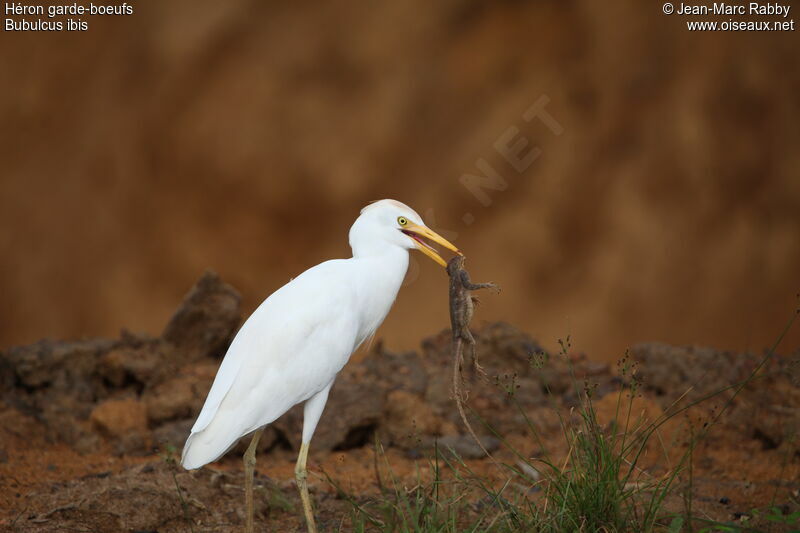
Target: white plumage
292, 347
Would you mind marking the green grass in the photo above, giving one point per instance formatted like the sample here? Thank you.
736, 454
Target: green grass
598, 486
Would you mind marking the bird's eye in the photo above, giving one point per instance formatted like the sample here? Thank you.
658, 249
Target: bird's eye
402, 221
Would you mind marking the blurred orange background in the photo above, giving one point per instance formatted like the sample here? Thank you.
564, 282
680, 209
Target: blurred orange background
244, 137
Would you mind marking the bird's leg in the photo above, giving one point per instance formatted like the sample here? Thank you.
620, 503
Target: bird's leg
311, 413
249, 469
301, 475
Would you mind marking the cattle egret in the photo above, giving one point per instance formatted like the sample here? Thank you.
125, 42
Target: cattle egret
294, 344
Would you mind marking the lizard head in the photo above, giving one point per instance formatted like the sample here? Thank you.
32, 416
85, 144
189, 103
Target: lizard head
455, 264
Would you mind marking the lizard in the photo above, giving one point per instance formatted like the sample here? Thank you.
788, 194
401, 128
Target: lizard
462, 306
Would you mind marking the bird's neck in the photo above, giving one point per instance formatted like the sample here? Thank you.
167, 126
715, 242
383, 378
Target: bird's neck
383, 265
380, 277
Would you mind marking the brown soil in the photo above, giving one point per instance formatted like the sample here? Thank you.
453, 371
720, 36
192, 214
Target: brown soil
89, 430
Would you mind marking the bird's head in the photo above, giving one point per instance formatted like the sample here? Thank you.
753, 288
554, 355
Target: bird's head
392, 223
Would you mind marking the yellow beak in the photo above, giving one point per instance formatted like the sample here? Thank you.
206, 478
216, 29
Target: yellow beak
416, 231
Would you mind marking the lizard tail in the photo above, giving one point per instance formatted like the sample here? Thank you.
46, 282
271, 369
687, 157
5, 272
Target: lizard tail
458, 356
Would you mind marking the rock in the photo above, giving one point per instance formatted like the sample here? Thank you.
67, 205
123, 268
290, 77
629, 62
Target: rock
8, 376
793, 369
689, 373
671, 371
144, 364
88, 441
465, 446
180, 397
19, 425
175, 398
770, 408
61, 382
173, 434
206, 320
591, 369
69, 422
352, 414
508, 356
408, 417
393, 371
507, 347
50, 363
116, 418
269, 439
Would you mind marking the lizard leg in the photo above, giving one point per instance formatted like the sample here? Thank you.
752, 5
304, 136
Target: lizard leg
476, 366
467, 283
489, 285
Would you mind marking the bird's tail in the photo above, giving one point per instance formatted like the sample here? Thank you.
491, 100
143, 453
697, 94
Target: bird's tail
200, 450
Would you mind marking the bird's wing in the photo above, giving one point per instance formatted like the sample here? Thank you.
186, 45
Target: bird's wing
292, 313
289, 349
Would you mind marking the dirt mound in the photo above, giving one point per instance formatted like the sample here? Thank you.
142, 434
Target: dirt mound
140, 394
155, 496
124, 390
91, 428
767, 408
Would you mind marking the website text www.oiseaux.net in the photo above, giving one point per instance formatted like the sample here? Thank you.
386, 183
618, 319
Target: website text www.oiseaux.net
753, 10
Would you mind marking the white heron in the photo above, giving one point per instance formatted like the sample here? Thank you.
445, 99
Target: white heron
294, 344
